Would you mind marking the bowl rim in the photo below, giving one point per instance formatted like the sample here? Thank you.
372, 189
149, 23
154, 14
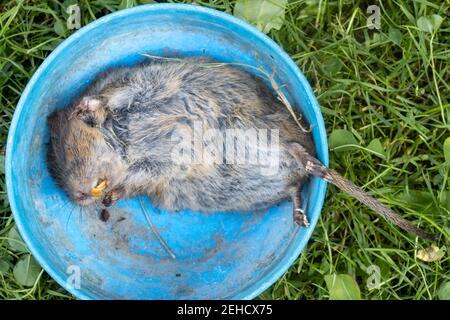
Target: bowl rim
297, 244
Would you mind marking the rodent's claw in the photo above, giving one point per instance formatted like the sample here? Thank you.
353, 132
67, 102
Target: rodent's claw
300, 218
109, 199
112, 196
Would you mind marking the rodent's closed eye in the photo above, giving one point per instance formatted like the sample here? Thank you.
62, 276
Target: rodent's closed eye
81, 196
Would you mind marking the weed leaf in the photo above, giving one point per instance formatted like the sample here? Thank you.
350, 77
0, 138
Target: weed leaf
4, 265
342, 287
395, 36
417, 199
436, 21
377, 148
332, 66
430, 23
444, 291
59, 28
26, 271
447, 149
342, 140
15, 241
424, 24
264, 14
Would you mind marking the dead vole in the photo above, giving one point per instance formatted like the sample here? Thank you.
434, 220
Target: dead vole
179, 131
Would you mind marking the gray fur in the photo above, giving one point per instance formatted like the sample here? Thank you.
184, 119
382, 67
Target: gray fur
143, 106
129, 116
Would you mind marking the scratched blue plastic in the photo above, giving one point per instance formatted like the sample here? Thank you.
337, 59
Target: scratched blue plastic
220, 255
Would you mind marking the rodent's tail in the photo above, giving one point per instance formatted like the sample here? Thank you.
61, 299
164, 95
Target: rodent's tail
316, 168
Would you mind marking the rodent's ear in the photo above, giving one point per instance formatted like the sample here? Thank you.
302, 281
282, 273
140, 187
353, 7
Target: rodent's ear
89, 104
87, 109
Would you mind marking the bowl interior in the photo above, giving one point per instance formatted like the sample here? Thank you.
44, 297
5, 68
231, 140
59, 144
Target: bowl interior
219, 255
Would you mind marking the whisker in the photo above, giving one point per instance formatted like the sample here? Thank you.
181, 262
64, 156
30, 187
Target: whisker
70, 214
80, 215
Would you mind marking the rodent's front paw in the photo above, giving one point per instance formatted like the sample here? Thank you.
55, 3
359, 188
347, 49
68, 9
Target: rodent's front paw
111, 197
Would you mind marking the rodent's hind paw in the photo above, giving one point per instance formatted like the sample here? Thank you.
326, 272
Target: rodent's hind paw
300, 218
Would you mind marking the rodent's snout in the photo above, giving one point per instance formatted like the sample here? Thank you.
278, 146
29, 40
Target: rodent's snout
83, 199
86, 199
81, 196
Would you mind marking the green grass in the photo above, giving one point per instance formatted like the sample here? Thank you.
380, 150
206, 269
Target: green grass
373, 84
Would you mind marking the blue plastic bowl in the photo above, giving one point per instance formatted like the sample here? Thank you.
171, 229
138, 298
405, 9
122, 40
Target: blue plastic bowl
219, 255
